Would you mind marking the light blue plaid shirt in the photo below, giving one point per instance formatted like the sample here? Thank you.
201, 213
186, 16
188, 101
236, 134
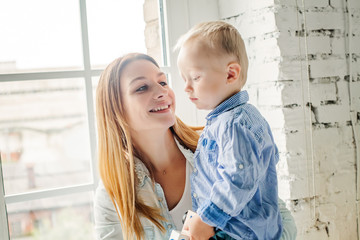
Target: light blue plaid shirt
234, 183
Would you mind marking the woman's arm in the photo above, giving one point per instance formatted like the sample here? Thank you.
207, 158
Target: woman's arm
289, 227
107, 224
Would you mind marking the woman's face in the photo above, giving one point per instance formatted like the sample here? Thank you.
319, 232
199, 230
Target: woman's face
148, 101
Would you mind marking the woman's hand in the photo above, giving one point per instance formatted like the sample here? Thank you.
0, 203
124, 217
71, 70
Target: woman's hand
196, 228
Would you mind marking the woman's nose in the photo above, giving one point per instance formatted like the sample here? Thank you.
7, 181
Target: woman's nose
160, 92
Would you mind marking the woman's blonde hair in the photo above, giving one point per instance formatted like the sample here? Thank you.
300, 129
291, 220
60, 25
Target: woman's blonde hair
221, 37
116, 152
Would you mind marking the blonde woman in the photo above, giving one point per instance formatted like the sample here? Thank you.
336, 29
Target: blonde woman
145, 154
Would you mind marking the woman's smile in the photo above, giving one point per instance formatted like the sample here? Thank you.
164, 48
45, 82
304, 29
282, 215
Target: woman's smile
161, 109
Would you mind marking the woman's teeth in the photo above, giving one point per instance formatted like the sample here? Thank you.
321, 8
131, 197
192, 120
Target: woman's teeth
160, 108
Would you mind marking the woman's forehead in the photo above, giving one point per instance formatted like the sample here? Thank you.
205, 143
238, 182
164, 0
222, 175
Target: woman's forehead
139, 68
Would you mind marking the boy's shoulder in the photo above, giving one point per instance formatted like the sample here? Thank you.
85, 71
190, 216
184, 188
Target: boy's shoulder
245, 116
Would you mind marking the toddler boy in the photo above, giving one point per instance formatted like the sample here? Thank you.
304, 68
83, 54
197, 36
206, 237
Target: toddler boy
234, 183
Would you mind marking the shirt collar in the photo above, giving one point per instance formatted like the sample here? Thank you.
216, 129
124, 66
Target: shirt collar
230, 103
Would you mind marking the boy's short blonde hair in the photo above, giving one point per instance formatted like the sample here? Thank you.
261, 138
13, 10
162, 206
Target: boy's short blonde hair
220, 36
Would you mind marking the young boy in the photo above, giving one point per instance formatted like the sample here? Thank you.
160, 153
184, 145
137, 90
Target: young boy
234, 183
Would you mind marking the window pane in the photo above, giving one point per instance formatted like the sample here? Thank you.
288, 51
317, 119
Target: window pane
44, 140
68, 217
39, 34
115, 28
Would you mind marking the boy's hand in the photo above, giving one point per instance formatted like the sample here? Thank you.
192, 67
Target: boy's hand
196, 228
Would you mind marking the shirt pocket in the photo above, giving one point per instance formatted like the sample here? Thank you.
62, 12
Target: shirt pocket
149, 233
210, 151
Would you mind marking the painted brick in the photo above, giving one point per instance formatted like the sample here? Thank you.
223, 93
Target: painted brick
301, 184
259, 23
355, 22
342, 149
328, 68
356, 69
279, 136
288, 19
293, 70
343, 181
270, 95
338, 45
291, 45
355, 46
150, 9
341, 3
324, 20
343, 92
337, 3
229, 8
296, 118
274, 116
322, 92
263, 72
308, 4
333, 113
152, 34
294, 93
296, 141
355, 90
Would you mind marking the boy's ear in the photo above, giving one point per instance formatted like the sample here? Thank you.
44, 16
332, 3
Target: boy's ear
233, 71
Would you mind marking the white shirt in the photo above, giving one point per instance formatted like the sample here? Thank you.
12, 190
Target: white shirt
184, 204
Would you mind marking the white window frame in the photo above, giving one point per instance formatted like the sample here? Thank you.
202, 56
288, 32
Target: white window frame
86, 74
178, 17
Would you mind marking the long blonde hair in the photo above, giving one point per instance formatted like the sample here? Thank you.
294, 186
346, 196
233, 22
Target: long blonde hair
116, 152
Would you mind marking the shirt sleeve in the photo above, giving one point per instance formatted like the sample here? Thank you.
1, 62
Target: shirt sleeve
241, 166
107, 223
289, 227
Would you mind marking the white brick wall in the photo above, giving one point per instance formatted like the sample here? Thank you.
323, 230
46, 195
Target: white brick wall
316, 160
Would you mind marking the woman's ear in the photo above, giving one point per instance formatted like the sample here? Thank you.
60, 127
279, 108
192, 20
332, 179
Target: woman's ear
233, 72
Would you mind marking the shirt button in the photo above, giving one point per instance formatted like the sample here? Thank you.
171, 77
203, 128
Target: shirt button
241, 166
195, 170
194, 195
169, 226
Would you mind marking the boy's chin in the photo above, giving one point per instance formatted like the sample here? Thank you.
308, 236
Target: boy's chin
204, 108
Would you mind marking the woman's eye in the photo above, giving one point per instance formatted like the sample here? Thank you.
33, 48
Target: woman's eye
142, 88
163, 83
196, 78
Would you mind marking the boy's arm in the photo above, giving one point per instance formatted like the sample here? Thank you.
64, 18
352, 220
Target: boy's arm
241, 166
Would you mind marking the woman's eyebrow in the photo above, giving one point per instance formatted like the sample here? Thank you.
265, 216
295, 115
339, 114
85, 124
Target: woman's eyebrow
143, 77
160, 74
137, 79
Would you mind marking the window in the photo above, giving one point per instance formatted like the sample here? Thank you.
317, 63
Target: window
52, 54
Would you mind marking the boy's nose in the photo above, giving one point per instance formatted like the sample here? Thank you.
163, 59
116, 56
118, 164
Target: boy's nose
188, 87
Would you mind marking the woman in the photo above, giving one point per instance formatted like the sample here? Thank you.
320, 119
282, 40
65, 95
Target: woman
145, 154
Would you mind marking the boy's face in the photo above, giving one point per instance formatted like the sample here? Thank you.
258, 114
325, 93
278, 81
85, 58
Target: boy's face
205, 74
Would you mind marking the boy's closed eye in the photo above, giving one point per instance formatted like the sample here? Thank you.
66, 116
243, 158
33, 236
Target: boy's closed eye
196, 78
